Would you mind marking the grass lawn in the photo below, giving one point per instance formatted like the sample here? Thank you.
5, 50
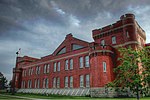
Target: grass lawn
40, 96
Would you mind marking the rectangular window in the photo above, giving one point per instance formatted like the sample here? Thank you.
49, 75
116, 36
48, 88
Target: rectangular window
81, 62
58, 66
35, 83
127, 34
66, 81
102, 42
104, 66
38, 70
87, 61
45, 68
46, 82
22, 84
71, 63
81, 81
87, 80
113, 40
66, 65
54, 82
48, 68
32, 71
29, 83
38, 83
71, 81
29, 71
54, 67
25, 72
58, 82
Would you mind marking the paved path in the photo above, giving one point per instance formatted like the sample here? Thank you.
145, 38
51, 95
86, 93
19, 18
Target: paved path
27, 98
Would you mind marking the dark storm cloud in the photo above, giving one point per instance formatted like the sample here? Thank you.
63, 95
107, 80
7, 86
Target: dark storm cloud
36, 26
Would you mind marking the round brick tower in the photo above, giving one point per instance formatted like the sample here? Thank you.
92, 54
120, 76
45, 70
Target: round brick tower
101, 60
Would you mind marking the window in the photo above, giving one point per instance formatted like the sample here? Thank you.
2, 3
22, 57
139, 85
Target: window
63, 50
23, 84
66, 81
46, 83
81, 62
35, 83
58, 82
71, 63
66, 65
87, 80
103, 42
38, 70
54, 82
25, 72
32, 71
81, 81
87, 61
58, 66
127, 34
29, 84
38, 83
76, 46
54, 67
29, 71
45, 67
71, 81
104, 66
113, 40
48, 68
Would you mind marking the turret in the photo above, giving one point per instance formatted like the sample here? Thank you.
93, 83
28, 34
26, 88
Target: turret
101, 60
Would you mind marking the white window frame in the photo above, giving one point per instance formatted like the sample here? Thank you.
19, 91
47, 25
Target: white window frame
38, 83
87, 63
71, 81
54, 82
35, 83
58, 82
55, 67
71, 63
46, 82
66, 64
104, 66
66, 81
103, 42
45, 67
113, 40
81, 62
58, 66
48, 68
81, 81
87, 77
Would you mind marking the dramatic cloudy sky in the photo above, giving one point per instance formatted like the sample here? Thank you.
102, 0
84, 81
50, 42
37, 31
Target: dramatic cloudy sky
39, 26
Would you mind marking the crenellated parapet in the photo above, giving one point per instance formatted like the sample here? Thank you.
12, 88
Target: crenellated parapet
119, 26
97, 49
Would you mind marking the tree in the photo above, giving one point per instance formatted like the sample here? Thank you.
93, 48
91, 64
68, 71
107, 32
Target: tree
3, 82
134, 70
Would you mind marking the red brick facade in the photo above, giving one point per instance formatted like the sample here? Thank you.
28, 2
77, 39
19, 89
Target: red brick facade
80, 64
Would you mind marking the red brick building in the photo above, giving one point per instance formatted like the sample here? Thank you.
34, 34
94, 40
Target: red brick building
78, 67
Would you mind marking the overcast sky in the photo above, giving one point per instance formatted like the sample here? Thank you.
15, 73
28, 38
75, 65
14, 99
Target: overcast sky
39, 26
